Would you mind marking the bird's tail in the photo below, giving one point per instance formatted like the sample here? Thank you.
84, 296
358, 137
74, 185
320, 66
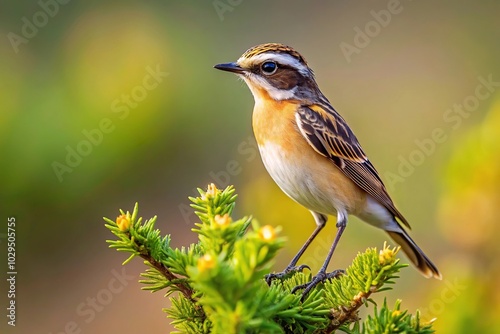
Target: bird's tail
415, 254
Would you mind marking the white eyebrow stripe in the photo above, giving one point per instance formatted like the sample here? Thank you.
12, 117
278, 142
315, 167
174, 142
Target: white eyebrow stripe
280, 58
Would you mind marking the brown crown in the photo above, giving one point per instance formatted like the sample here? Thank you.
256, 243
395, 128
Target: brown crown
273, 47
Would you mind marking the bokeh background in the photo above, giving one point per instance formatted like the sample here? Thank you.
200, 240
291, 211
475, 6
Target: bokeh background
409, 89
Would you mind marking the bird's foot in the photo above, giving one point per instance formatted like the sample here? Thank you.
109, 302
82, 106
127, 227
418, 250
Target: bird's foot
321, 277
288, 270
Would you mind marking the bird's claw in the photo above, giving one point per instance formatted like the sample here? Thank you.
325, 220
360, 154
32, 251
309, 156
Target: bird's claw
288, 270
321, 277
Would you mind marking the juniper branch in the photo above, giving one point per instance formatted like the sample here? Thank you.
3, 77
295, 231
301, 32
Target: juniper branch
179, 283
220, 278
144, 241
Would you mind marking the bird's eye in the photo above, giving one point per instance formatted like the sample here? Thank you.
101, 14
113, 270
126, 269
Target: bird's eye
269, 67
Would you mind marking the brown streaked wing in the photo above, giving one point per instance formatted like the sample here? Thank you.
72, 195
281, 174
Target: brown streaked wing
329, 135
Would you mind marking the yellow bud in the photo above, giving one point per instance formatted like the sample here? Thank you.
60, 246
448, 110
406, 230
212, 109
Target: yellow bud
395, 313
211, 192
386, 255
123, 222
222, 221
205, 262
267, 233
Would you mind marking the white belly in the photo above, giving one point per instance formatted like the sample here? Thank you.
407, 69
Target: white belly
298, 181
321, 187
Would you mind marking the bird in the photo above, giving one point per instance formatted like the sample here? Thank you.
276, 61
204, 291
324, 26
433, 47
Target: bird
312, 154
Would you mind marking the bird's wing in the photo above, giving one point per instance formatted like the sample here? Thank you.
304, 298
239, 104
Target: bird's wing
329, 135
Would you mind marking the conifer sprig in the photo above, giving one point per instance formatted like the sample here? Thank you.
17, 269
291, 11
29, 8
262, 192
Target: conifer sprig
220, 282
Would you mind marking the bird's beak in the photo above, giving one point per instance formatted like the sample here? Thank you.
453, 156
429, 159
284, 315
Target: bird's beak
230, 67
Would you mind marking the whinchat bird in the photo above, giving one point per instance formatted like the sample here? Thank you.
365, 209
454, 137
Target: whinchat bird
313, 155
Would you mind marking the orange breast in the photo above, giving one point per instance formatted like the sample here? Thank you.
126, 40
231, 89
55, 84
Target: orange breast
275, 121
303, 174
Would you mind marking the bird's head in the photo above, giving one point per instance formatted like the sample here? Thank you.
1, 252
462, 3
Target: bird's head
274, 70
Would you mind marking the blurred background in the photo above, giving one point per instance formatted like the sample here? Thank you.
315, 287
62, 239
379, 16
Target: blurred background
104, 104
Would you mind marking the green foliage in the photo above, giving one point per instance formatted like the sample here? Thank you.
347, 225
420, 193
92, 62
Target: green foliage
220, 283
392, 321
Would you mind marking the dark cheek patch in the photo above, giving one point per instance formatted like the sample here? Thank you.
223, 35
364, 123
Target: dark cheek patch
285, 79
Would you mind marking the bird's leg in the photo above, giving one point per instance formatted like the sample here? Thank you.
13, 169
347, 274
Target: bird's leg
320, 220
322, 275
